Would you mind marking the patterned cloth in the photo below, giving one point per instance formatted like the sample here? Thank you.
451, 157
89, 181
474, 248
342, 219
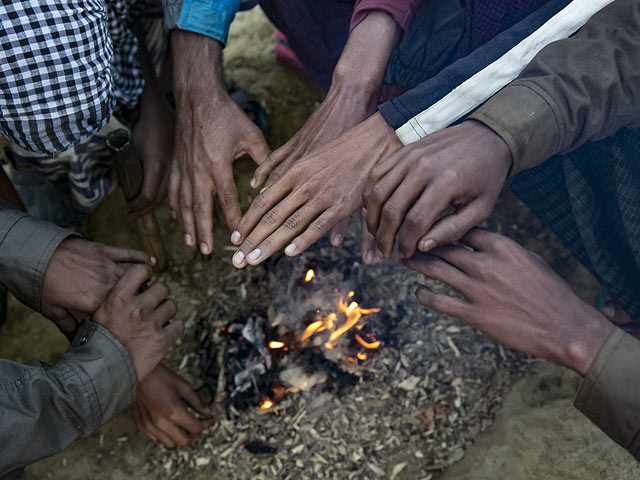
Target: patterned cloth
100, 50
591, 199
63, 65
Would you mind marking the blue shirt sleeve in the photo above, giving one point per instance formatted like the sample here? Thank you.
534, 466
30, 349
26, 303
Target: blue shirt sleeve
208, 17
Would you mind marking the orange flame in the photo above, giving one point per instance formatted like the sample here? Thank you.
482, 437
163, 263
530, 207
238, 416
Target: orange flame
362, 356
266, 404
352, 312
365, 344
309, 276
275, 344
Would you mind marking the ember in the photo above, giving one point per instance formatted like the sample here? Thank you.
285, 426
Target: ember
309, 276
275, 345
266, 404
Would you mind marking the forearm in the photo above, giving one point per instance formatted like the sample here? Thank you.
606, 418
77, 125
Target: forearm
402, 11
579, 89
44, 408
361, 68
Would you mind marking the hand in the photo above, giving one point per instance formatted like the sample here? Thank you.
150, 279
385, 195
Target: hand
352, 98
153, 139
161, 409
315, 194
211, 132
140, 321
514, 297
79, 277
464, 167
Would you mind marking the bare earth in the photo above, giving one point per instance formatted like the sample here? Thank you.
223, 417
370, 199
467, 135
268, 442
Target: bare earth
536, 434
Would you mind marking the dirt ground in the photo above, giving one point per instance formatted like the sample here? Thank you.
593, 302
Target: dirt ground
537, 434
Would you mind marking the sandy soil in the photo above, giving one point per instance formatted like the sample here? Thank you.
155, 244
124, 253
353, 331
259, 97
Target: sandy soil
536, 435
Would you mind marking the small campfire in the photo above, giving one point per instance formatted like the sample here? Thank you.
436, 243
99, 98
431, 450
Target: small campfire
318, 337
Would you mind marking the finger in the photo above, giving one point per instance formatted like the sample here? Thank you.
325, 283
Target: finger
274, 159
192, 398
131, 281
186, 211
145, 200
127, 255
176, 434
420, 217
314, 232
228, 196
339, 231
258, 243
439, 269
376, 199
258, 148
369, 251
174, 190
461, 258
480, 239
442, 303
264, 202
162, 315
452, 228
203, 213
393, 214
153, 296
172, 331
287, 230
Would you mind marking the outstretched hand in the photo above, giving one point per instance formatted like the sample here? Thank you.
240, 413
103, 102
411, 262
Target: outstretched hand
316, 193
514, 297
464, 167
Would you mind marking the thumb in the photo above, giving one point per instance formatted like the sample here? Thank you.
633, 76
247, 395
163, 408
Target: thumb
257, 148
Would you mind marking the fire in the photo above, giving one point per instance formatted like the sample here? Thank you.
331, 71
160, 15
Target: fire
309, 276
362, 356
275, 344
266, 404
352, 311
365, 344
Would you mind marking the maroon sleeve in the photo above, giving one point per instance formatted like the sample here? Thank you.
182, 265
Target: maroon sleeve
402, 11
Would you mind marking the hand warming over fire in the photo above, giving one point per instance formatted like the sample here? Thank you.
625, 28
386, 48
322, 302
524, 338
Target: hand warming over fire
160, 411
464, 167
314, 195
514, 297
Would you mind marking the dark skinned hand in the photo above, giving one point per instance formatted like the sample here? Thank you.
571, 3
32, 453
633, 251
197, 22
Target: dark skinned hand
352, 98
513, 296
464, 167
211, 133
161, 410
316, 193
141, 321
79, 277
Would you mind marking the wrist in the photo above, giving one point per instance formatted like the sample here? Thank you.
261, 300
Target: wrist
496, 144
580, 351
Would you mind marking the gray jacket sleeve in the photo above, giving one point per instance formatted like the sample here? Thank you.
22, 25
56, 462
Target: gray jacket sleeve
44, 408
171, 10
26, 246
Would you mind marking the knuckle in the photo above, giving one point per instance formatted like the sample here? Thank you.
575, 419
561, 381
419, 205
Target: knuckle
390, 212
377, 193
260, 201
199, 208
412, 223
319, 225
449, 177
271, 218
292, 223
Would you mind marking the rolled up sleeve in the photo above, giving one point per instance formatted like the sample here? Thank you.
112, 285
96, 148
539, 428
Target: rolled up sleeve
609, 395
44, 408
403, 11
207, 17
26, 246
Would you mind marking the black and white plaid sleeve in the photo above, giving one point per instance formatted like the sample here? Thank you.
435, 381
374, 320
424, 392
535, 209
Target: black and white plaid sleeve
58, 83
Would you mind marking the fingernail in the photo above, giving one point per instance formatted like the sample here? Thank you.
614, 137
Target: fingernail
174, 215
369, 257
378, 255
336, 240
253, 256
153, 260
204, 248
291, 249
426, 245
263, 189
188, 239
253, 183
238, 258
236, 237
